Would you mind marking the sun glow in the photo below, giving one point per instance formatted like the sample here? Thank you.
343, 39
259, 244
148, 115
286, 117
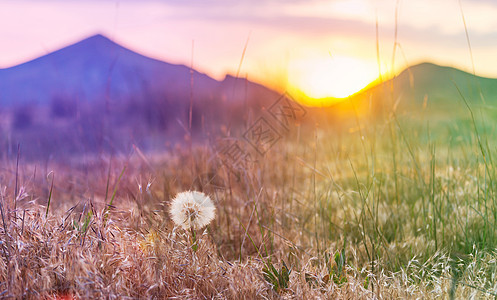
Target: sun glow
332, 76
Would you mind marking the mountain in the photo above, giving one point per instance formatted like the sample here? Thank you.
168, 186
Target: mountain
94, 69
419, 86
421, 92
97, 96
431, 84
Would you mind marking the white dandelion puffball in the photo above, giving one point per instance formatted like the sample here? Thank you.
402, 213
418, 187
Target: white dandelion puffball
192, 209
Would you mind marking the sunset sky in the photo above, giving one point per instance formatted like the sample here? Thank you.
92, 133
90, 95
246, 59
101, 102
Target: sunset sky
324, 48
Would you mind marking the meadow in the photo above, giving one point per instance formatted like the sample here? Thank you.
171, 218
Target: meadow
400, 204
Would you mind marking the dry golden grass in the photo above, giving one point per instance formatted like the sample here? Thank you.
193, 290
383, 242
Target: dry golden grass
86, 250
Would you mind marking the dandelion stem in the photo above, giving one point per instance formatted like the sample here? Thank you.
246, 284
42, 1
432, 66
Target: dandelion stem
194, 239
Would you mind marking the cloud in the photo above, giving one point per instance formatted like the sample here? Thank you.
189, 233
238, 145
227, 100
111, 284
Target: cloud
165, 29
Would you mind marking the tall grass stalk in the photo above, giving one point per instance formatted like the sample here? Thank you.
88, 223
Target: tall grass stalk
109, 206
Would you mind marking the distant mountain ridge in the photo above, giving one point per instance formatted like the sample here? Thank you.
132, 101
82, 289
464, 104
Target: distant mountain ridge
98, 68
424, 92
439, 85
94, 68
96, 95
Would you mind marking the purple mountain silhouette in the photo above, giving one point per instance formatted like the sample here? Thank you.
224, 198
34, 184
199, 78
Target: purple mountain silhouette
97, 96
92, 69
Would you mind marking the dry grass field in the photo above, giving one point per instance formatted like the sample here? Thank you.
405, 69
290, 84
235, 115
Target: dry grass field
396, 208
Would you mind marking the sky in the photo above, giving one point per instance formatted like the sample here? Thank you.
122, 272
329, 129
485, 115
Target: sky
323, 48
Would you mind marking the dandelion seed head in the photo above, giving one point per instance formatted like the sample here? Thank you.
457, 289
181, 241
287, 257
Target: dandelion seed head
192, 209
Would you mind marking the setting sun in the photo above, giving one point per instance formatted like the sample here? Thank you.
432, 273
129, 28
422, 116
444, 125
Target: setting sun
335, 76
